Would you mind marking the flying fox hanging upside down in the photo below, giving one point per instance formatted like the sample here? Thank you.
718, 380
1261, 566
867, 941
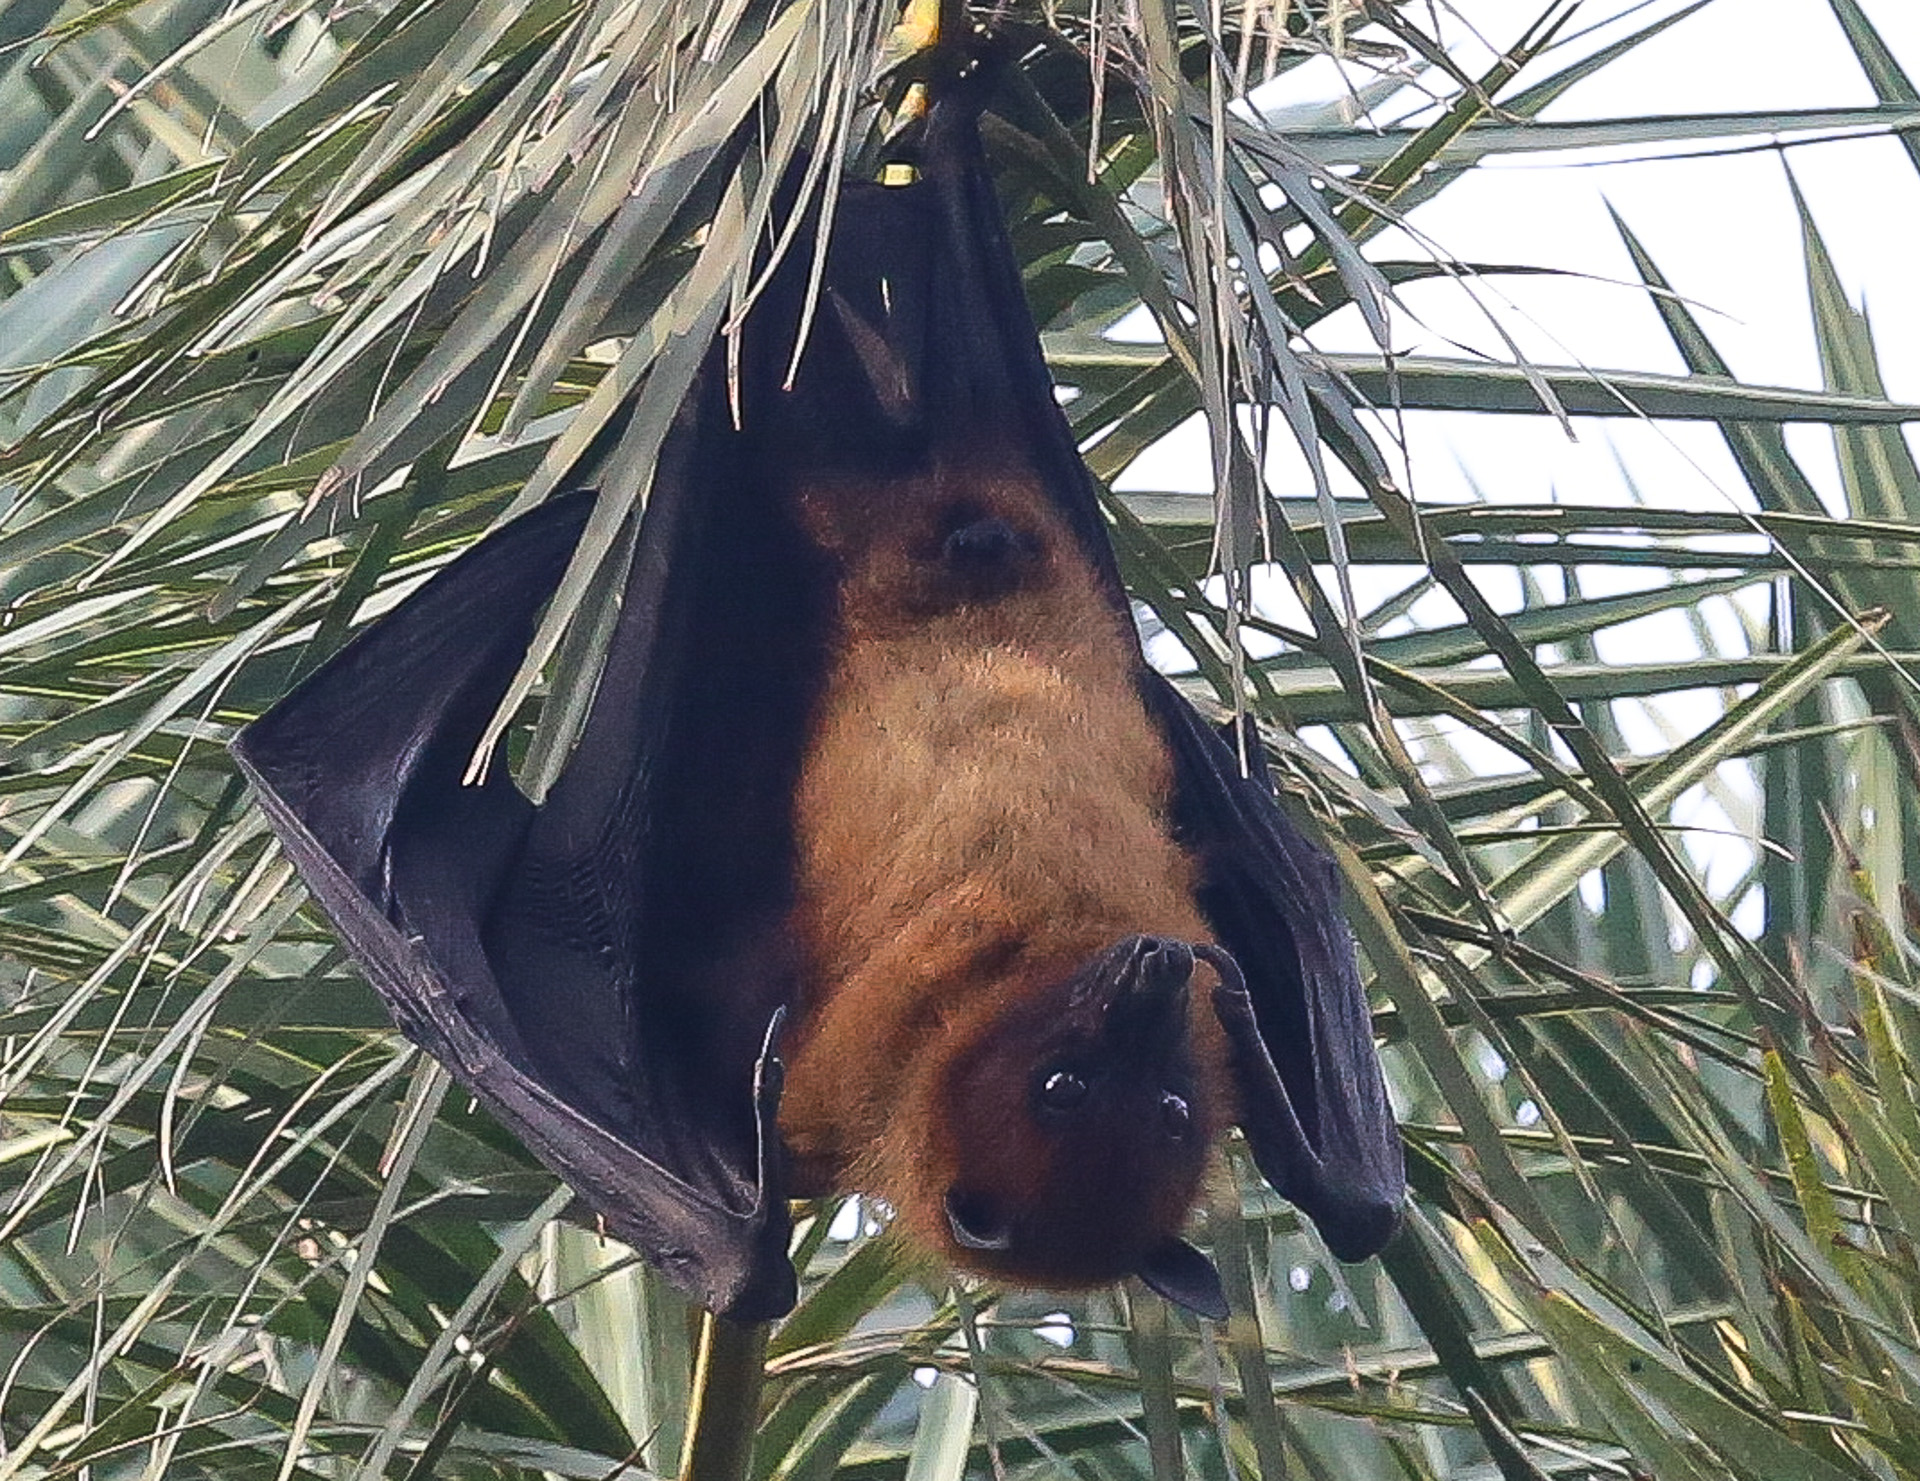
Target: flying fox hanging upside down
997, 1032
876, 800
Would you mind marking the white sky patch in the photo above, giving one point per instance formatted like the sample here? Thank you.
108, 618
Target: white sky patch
1056, 1327
846, 1223
1722, 228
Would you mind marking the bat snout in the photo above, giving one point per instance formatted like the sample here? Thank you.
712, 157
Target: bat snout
1147, 992
1161, 964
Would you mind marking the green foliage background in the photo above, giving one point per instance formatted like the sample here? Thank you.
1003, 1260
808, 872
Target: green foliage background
296, 302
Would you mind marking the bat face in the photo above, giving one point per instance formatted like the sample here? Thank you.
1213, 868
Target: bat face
1081, 1123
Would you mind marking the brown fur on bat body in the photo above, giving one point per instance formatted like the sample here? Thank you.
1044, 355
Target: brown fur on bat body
997, 1033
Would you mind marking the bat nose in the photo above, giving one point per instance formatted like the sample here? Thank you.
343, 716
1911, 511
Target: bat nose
1162, 966
1150, 995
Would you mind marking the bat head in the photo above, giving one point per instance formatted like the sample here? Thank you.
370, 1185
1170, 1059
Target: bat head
1081, 1124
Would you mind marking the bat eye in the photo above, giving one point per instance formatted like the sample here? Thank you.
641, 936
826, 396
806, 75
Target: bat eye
1175, 1113
1062, 1090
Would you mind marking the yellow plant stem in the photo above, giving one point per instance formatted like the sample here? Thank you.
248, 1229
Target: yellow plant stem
727, 1377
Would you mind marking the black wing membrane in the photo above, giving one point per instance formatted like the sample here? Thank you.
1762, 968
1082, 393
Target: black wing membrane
1312, 1103
542, 954
607, 971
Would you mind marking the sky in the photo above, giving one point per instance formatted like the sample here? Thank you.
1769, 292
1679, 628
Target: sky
1721, 226
1723, 229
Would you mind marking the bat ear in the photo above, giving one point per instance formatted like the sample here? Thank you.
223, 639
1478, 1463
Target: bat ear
1185, 1277
974, 1223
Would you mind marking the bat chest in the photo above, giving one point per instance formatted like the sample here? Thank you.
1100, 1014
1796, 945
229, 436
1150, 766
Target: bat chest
982, 806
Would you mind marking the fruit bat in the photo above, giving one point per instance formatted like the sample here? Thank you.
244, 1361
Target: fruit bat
876, 802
